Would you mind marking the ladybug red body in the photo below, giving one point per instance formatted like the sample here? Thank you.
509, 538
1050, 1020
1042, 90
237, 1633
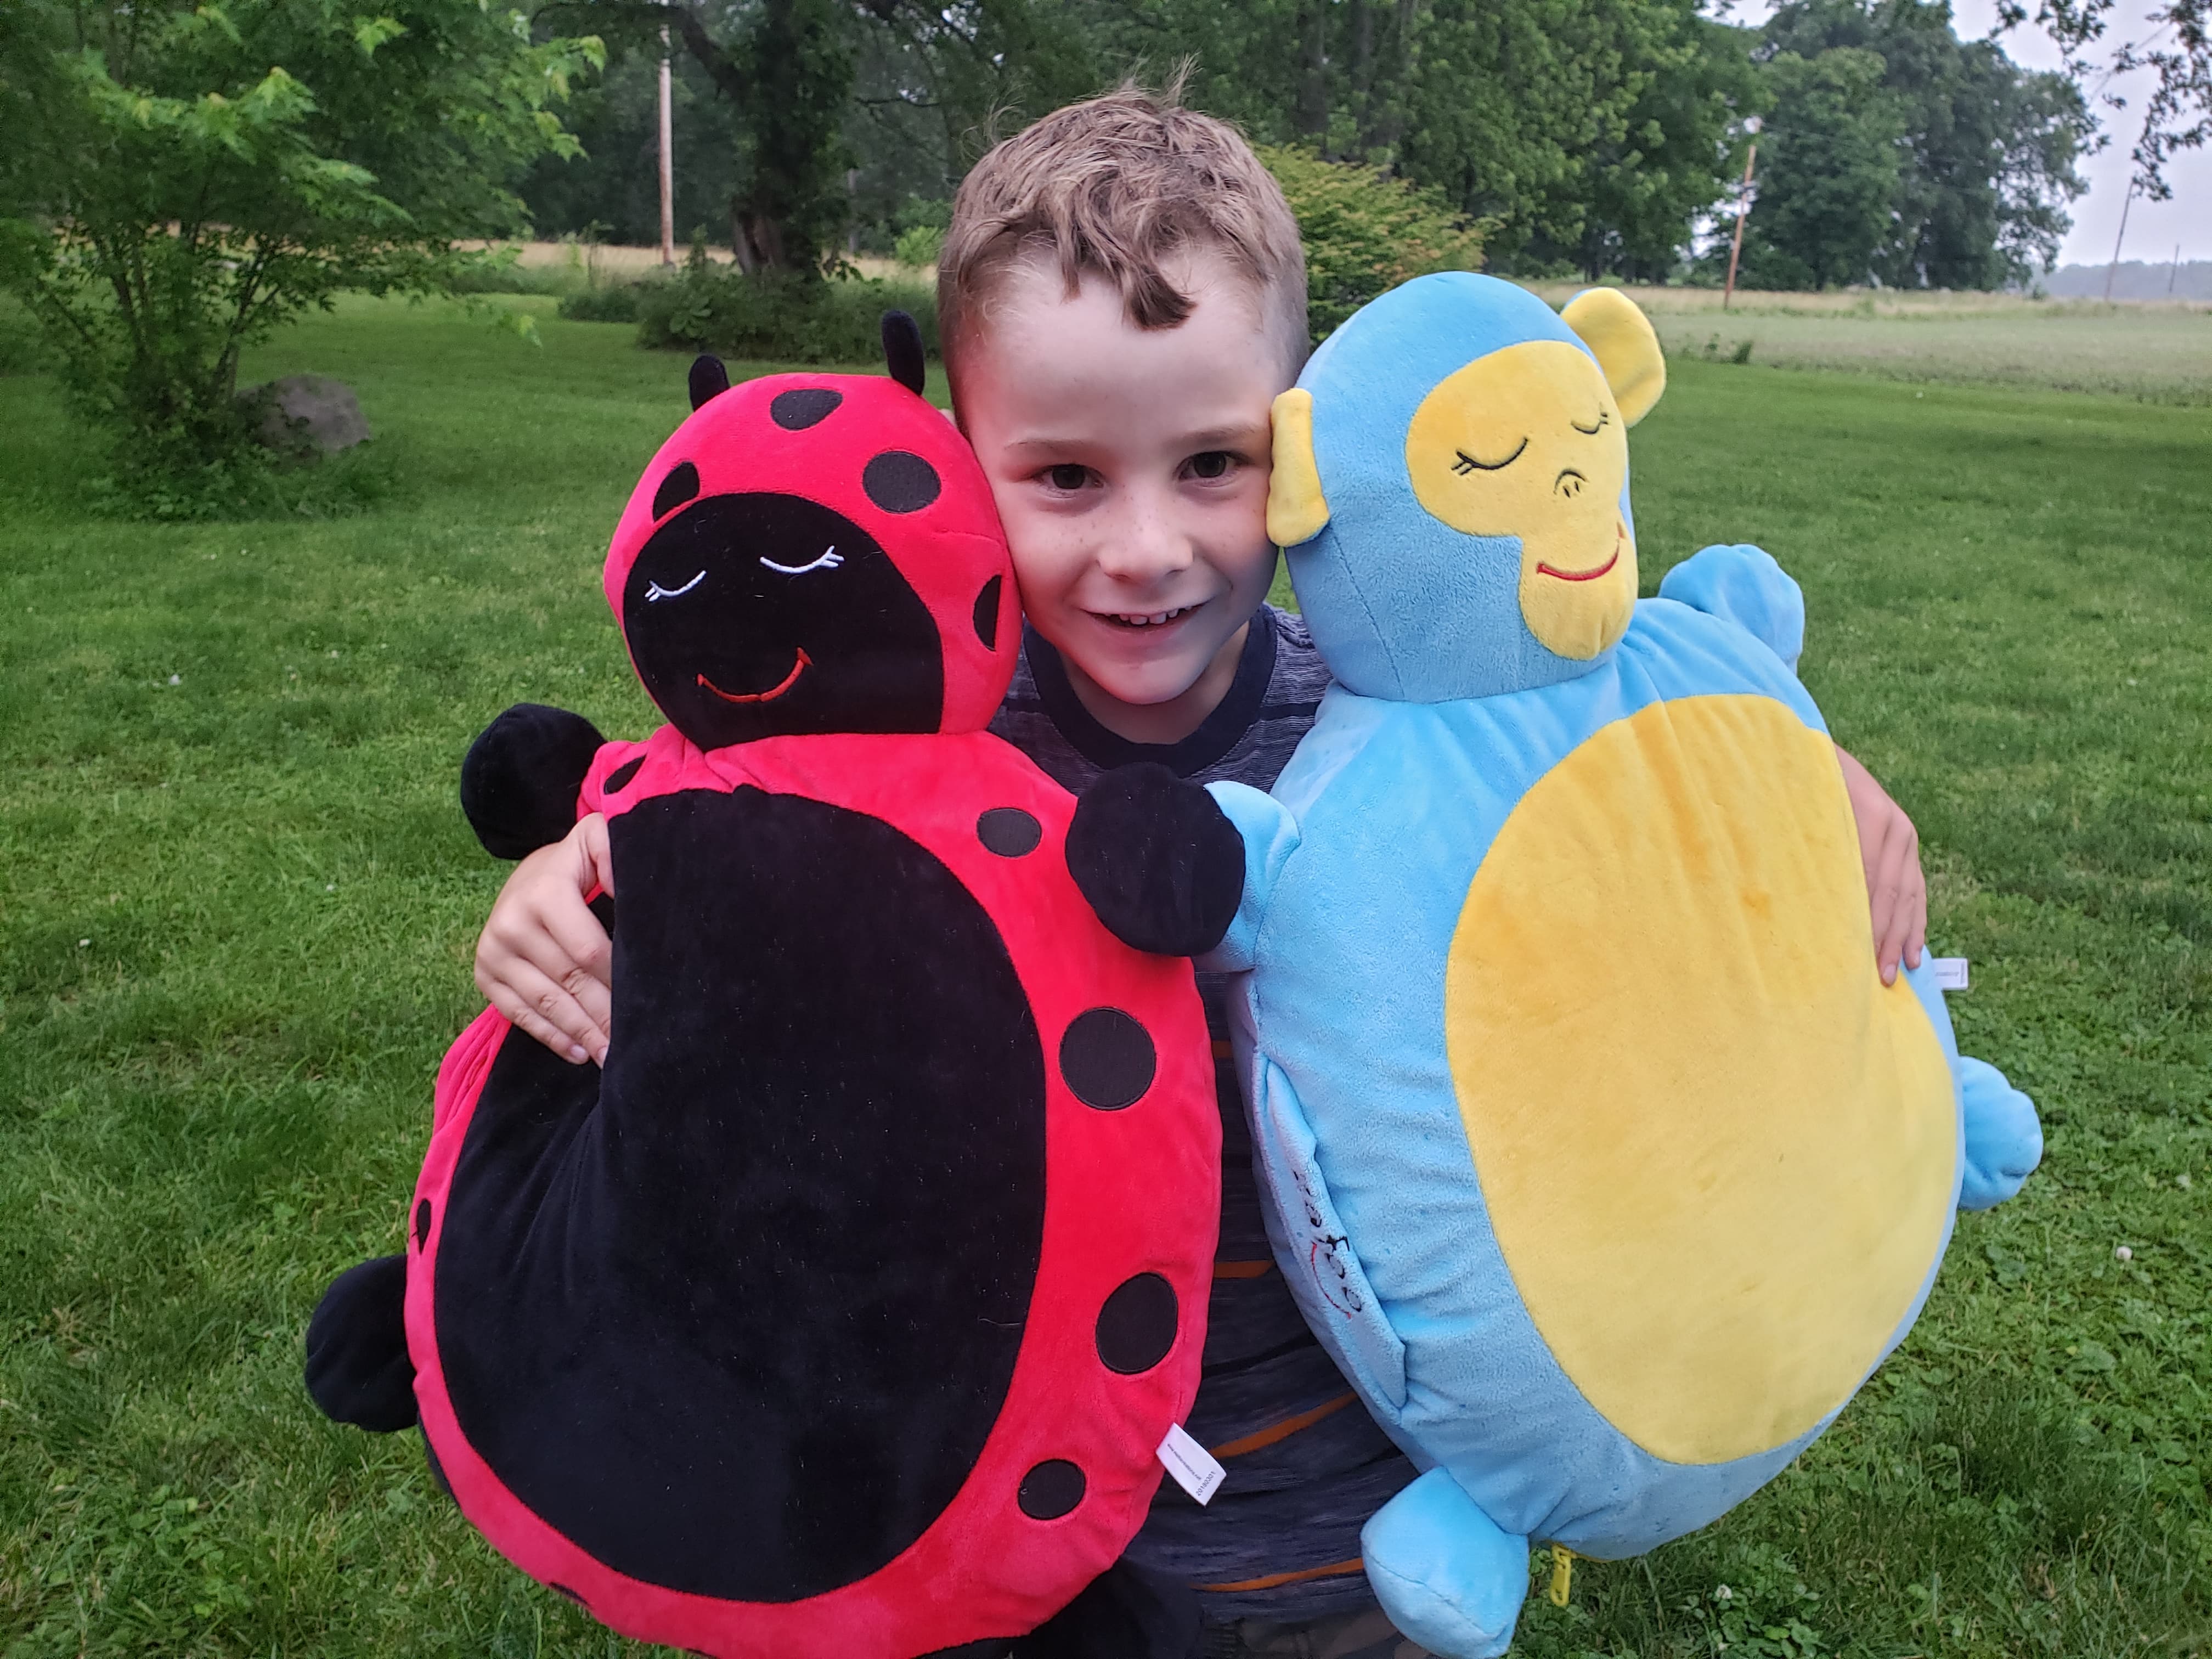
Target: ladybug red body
843, 1314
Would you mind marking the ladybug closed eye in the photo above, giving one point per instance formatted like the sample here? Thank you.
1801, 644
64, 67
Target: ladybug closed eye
654, 591
830, 559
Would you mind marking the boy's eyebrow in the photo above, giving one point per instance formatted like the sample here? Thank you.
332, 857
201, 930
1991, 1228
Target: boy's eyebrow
1211, 437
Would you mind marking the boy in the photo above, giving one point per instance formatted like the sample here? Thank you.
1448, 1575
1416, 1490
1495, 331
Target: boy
1122, 297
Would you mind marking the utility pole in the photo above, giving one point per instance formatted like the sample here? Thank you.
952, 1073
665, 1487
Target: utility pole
1743, 207
667, 163
2113, 269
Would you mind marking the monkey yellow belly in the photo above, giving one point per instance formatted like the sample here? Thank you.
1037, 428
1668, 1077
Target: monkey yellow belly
1717, 1153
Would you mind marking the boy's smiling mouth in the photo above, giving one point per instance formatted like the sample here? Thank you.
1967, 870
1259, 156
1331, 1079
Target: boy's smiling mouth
1147, 618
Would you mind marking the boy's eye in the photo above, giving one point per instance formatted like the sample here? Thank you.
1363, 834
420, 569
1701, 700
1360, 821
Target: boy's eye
1210, 463
1068, 475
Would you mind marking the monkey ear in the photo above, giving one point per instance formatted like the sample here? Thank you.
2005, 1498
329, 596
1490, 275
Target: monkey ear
1297, 510
902, 351
1620, 336
709, 380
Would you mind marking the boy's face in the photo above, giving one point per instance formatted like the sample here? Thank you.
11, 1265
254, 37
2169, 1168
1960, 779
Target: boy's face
1130, 468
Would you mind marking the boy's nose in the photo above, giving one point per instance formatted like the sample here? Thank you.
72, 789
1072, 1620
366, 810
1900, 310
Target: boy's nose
1145, 544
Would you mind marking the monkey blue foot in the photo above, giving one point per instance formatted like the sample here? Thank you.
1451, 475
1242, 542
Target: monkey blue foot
2004, 1142
1450, 1577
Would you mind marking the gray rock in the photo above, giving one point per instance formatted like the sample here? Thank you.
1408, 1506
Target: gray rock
304, 413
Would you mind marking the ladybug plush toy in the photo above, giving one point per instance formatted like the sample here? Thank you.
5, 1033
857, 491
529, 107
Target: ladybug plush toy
843, 1314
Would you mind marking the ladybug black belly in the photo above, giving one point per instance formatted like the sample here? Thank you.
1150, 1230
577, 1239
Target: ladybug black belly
771, 1271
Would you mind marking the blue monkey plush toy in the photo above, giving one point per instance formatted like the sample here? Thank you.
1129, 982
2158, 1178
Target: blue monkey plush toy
1597, 1152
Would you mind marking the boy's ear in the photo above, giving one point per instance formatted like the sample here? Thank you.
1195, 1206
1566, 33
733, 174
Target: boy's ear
1619, 336
1295, 508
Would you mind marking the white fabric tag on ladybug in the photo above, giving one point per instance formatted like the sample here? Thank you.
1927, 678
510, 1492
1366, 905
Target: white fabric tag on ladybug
1191, 1464
1950, 973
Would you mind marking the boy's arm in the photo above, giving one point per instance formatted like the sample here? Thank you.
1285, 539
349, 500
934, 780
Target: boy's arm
1889, 850
544, 960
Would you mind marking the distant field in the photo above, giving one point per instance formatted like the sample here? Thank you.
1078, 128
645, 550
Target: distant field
2158, 352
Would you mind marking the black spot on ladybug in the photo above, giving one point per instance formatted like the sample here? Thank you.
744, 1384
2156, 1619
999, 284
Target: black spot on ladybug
1008, 831
422, 1224
795, 411
681, 485
619, 778
562, 1589
1051, 1490
987, 613
900, 482
1107, 1059
1137, 1326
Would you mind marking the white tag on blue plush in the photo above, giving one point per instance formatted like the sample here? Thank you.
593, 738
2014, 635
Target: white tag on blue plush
1191, 1464
1950, 973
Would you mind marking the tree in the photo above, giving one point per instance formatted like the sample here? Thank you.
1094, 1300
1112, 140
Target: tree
2172, 38
1829, 170
1681, 148
205, 172
1590, 131
818, 91
1990, 148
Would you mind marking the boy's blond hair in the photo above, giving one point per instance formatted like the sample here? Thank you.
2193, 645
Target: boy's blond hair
1114, 186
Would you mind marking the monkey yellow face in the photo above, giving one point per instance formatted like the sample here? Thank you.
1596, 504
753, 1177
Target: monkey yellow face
1529, 442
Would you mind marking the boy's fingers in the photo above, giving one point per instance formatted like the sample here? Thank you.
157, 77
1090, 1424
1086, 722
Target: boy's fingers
553, 983
596, 858
1916, 898
575, 932
535, 1005
1891, 901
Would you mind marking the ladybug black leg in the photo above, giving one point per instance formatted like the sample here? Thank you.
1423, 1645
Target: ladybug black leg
1158, 860
519, 782
358, 1371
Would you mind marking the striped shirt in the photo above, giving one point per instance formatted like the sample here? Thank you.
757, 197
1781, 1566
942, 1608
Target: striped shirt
1306, 1465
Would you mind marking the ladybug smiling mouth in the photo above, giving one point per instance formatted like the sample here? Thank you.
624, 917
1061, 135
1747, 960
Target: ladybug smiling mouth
801, 663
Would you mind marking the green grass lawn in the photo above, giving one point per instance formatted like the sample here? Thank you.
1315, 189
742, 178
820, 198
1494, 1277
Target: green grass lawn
238, 903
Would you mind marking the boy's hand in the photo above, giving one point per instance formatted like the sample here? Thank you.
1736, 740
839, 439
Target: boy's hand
1889, 847
542, 959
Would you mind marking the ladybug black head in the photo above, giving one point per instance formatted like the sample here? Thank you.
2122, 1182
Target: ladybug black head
816, 553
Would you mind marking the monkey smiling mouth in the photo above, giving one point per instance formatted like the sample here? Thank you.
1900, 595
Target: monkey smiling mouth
800, 665
1618, 535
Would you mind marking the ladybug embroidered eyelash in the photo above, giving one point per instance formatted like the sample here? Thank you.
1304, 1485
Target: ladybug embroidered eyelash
655, 590
830, 559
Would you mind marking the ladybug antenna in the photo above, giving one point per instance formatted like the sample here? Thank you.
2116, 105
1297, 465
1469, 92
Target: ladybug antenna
903, 350
709, 380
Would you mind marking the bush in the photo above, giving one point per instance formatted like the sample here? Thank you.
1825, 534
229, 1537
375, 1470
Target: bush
19, 339
1365, 232
617, 303
919, 245
788, 318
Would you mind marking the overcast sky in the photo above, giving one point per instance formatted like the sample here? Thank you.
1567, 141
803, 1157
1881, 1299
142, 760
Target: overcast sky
2153, 228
